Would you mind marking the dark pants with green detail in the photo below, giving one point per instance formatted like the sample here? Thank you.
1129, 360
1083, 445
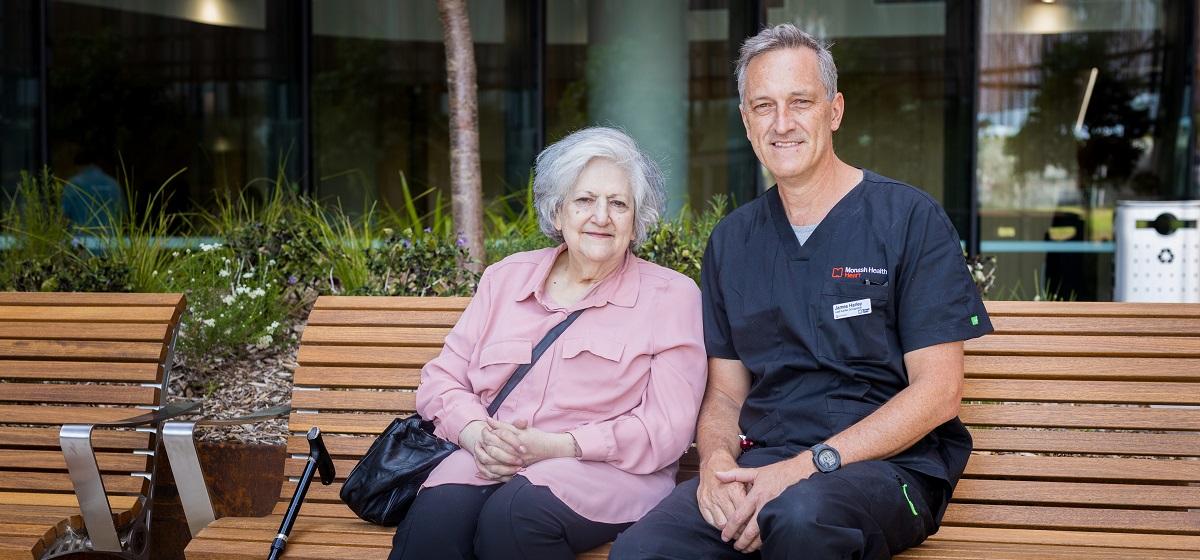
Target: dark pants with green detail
861, 511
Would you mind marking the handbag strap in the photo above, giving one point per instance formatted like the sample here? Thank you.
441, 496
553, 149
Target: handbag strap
523, 369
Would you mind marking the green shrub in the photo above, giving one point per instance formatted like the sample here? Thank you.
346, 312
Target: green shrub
679, 244
233, 303
423, 263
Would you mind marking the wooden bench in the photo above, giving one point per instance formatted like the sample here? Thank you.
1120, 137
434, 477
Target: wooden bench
68, 363
1085, 418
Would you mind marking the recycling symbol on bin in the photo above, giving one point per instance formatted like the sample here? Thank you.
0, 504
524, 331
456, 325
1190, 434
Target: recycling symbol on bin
1166, 256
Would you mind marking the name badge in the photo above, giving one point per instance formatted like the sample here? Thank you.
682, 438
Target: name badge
852, 308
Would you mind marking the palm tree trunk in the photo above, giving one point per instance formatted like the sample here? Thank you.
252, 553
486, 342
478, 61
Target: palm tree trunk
465, 184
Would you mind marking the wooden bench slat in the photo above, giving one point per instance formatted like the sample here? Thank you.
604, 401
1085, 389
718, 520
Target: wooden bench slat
61, 482
35, 459
144, 332
81, 349
1070, 345
48, 437
1065, 518
340, 423
336, 511
374, 336
1077, 494
81, 371
394, 303
322, 317
1068, 416
63, 500
58, 415
304, 523
950, 550
338, 447
382, 401
211, 549
1124, 392
349, 377
1095, 469
1083, 367
1108, 326
366, 356
100, 299
27, 547
300, 536
52, 313
295, 467
1076, 441
1070, 538
1056, 310
70, 393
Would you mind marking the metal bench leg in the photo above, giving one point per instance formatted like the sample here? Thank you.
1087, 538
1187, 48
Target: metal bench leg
76, 442
189, 478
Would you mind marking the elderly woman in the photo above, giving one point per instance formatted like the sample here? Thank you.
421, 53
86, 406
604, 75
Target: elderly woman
589, 440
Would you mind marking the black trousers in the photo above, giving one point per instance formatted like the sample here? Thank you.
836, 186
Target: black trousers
861, 511
513, 520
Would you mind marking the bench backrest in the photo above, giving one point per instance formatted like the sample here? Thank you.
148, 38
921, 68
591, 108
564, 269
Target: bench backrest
1086, 416
80, 358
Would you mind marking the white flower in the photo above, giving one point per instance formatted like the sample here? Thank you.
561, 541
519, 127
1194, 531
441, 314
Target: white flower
229, 299
209, 323
175, 253
224, 273
207, 247
241, 290
155, 273
271, 262
274, 325
257, 293
248, 275
264, 341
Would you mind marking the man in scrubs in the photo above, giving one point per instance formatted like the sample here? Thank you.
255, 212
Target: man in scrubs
835, 306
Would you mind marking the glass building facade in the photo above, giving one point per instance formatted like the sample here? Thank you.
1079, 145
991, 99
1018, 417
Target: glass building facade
1027, 119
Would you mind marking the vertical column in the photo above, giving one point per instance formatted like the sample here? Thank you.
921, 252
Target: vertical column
637, 79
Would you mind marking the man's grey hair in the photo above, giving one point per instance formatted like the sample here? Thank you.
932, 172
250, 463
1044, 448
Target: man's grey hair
786, 36
559, 166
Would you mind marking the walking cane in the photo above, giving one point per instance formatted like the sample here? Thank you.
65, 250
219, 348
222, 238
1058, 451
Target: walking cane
318, 458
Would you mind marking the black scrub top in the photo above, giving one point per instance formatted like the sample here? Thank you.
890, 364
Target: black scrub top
823, 327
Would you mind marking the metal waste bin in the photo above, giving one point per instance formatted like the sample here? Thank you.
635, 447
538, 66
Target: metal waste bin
1157, 251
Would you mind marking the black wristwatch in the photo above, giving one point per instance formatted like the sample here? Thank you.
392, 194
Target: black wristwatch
826, 458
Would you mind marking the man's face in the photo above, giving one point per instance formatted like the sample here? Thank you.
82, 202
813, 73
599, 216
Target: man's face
788, 116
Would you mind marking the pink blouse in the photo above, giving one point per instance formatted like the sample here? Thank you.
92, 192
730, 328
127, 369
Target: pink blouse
625, 380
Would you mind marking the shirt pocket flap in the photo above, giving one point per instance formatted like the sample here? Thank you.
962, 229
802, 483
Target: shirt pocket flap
853, 290
602, 347
506, 352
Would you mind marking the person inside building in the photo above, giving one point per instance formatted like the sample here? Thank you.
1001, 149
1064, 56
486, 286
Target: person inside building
835, 306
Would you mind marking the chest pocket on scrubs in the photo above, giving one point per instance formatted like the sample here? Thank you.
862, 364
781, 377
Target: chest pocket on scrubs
859, 338
589, 376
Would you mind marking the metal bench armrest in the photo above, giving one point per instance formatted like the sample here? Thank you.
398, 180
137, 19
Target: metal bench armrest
76, 443
179, 440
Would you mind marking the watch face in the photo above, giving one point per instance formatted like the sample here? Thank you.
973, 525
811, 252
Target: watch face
827, 459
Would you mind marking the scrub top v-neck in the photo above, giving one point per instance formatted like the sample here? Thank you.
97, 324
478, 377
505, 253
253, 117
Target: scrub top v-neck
823, 327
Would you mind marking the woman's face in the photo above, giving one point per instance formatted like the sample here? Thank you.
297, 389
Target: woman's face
597, 216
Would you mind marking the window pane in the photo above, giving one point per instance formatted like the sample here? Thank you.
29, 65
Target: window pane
380, 98
19, 74
891, 69
663, 72
161, 86
1071, 119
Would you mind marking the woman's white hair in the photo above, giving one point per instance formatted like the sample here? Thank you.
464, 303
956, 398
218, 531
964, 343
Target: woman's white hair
559, 166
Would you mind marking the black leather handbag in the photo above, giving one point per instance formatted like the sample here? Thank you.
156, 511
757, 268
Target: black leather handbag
384, 483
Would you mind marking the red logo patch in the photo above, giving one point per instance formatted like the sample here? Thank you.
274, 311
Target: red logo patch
837, 271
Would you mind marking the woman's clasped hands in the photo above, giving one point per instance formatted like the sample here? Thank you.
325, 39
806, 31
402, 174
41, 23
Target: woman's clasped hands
501, 449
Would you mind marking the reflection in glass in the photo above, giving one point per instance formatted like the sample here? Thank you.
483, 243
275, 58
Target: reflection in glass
155, 87
1070, 120
380, 107
662, 71
891, 70
18, 91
